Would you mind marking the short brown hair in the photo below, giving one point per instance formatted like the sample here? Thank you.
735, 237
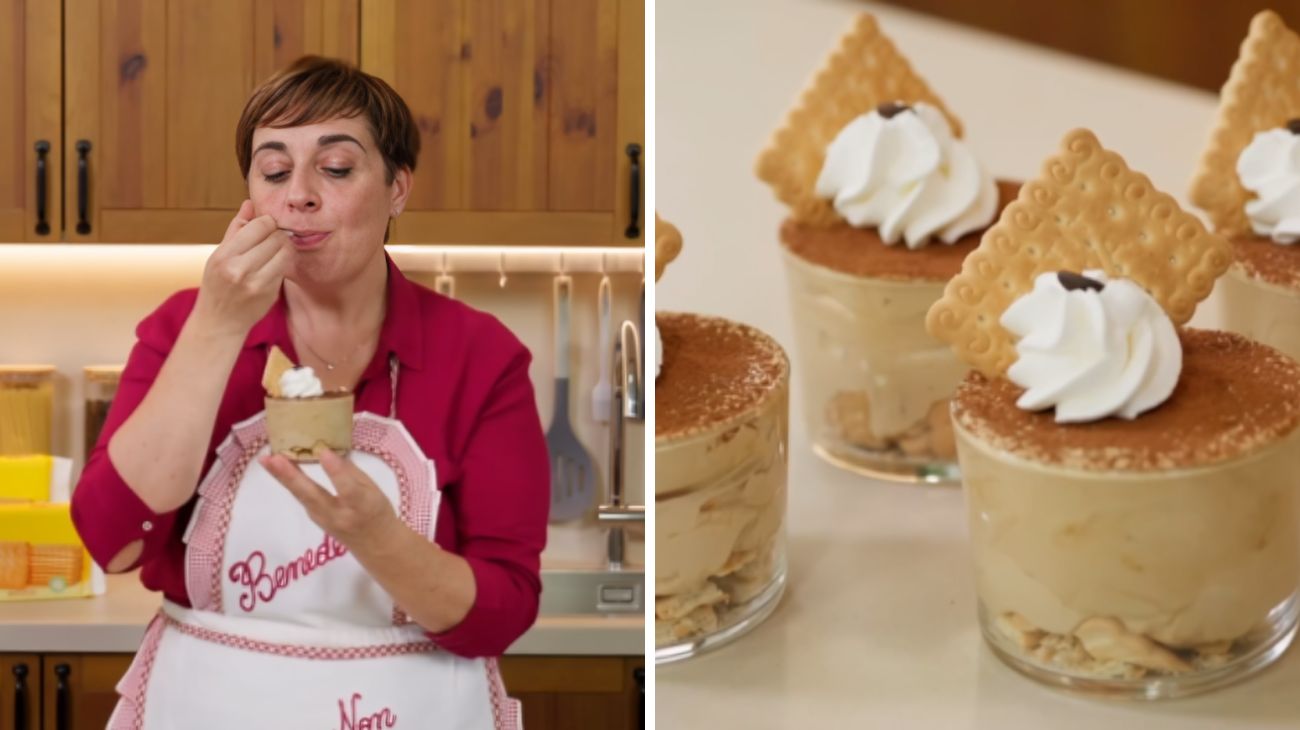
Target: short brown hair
314, 89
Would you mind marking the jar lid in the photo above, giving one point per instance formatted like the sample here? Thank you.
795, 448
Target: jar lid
103, 373
25, 373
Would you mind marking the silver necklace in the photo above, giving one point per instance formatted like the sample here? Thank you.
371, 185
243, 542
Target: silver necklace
329, 366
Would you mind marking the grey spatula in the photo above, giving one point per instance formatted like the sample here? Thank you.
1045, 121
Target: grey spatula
573, 474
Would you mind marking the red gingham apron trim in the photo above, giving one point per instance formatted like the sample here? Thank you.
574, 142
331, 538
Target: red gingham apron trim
133, 687
505, 711
372, 434
300, 651
129, 715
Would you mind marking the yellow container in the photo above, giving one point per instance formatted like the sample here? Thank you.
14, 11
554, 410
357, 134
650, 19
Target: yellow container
25, 478
26, 409
41, 555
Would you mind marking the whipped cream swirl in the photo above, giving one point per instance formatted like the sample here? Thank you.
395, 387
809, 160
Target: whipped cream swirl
1092, 347
1269, 167
300, 382
901, 170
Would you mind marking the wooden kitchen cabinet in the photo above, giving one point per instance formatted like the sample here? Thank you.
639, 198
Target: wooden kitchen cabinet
81, 689
154, 89
556, 691
30, 77
20, 691
575, 692
531, 114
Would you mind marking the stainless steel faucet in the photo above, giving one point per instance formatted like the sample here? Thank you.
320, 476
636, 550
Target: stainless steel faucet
626, 404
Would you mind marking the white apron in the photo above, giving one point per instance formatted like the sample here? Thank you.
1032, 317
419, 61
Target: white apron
287, 630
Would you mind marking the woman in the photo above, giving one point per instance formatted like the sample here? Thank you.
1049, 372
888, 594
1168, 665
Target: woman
368, 591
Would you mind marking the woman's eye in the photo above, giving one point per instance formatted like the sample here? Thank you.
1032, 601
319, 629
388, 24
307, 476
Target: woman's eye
275, 176
338, 171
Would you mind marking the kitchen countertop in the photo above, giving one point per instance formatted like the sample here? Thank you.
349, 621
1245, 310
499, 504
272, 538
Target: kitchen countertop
115, 622
877, 628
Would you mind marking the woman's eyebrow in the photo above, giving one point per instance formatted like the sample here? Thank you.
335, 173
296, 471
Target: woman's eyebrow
277, 146
324, 141
330, 139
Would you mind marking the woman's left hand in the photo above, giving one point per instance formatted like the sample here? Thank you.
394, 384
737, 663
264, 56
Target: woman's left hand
358, 515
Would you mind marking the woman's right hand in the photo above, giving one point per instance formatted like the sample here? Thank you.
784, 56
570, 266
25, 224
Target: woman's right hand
242, 277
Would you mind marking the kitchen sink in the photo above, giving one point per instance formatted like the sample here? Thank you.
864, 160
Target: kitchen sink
598, 592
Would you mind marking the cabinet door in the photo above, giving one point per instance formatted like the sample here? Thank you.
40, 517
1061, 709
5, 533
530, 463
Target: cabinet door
31, 32
81, 689
20, 692
154, 91
565, 692
525, 110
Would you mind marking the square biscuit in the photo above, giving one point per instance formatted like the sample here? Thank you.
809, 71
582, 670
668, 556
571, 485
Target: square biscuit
1262, 92
1086, 210
864, 71
14, 565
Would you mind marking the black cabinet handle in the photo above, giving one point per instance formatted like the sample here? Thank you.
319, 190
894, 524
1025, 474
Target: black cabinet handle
639, 676
62, 703
634, 192
83, 186
42, 188
20, 697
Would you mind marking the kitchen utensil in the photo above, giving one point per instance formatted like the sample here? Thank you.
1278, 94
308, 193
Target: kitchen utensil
600, 395
573, 475
445, 285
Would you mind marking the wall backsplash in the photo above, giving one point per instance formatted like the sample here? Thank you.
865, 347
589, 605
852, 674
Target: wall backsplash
71, 311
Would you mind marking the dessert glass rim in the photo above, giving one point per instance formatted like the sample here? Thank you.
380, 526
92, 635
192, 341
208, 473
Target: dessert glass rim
704, 430
1242, 272
1109, 474
845, 277
1249, 269
329, 394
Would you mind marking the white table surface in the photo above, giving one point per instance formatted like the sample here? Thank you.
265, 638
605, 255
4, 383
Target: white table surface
878, 627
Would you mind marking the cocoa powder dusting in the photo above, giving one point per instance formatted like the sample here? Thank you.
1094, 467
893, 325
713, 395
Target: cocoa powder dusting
713, 371
1268, 261
861, 252
1234, 396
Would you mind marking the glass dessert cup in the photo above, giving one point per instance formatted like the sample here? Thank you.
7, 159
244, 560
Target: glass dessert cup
1138, 575
876, 385
720, 491
296, 427
1261, 294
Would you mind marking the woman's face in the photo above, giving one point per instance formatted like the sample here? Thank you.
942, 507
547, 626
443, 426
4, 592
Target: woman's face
326, 182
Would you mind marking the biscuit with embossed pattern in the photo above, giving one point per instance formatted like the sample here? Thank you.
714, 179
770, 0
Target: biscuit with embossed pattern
1086, 210
1262, 92
865, 71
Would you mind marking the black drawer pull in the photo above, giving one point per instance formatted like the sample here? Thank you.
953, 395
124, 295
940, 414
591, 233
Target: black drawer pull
20, 697
639, 676
634, 192
42, 188
62, 698
83, 186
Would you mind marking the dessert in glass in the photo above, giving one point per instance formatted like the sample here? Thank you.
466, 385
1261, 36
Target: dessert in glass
722, 410
1133, 485
885, 200
301, 417
1248, 184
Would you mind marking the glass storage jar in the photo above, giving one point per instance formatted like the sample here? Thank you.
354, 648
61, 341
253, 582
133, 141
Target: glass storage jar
26, 409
